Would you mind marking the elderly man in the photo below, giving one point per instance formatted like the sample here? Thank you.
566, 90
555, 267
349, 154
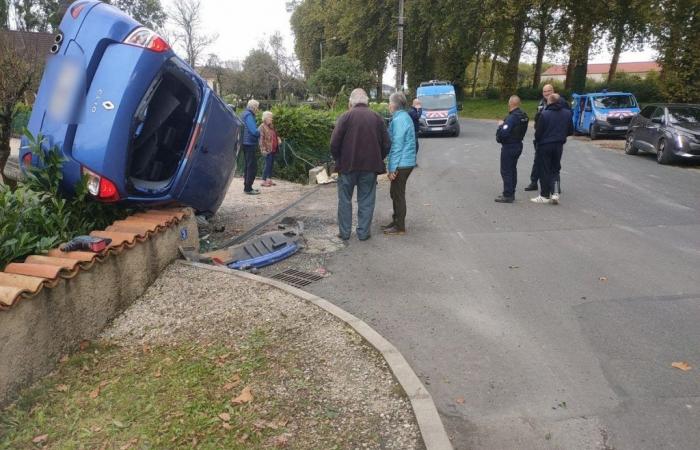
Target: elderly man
359, 144
510, 134
250, 146
401, 160
547, 90
553, 127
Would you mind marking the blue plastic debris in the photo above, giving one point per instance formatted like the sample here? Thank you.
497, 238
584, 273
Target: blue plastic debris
265, 260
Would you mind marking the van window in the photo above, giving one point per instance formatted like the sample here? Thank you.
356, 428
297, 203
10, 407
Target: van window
615, 101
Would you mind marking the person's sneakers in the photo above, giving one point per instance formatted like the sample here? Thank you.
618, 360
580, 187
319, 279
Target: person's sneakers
393, 231
554, 199
389, 225
531, 187
504, 199
252, 192
344, 238
540, 199
364, 238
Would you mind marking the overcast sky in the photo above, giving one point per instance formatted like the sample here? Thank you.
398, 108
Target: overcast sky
242, 24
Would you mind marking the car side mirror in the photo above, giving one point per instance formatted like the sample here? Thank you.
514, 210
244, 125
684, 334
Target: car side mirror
658, 120
459, 107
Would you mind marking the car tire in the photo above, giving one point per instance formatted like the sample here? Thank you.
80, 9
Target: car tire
663, 156
630, 149
456, 133
593, 133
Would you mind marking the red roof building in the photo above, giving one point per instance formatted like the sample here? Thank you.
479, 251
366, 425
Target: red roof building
599, 72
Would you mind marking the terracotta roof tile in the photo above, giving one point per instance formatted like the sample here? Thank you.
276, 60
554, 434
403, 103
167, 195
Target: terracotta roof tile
23, 280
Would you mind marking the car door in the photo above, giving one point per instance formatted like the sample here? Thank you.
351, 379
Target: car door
655, 130
213, 158
640, 128
587, 117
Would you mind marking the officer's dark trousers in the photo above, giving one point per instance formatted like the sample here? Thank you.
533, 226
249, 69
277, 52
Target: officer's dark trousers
397, 191
509, 170
250, 152
534, 175
550, 165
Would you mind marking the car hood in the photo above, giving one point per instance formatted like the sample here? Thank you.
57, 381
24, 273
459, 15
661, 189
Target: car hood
690, 128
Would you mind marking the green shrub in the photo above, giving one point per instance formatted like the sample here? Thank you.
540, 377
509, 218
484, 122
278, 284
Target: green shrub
529, 93
20, 118
492, 93
36, 217
646, 90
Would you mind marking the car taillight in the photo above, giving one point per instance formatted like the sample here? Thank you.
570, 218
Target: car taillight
77, 9
145, 38
100, 187
27, 160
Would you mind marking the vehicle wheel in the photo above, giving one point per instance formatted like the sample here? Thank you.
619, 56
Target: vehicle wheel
630, 149
593, 133
456, 133
663, 156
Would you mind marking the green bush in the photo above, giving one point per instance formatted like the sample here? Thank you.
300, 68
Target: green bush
20, 118
529, 93
492, 93
37, 217
646, 90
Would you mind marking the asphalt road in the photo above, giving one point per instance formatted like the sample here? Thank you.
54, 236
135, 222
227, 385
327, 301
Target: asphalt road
540, 326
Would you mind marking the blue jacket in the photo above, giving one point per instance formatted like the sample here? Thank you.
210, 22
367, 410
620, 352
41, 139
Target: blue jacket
554, 125
513, 129
250, 130
403, 142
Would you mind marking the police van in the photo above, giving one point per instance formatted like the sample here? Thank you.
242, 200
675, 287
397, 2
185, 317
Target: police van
439, 108
599, 113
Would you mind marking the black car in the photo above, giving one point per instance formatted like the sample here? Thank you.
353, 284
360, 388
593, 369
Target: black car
672, 131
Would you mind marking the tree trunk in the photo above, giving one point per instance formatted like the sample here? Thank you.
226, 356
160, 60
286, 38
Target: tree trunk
541, 46
619, 38
493, 70
578, 56
476, 72
510, 77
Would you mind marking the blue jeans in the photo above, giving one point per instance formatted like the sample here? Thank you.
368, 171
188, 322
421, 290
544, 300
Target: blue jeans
269, 161
250, 152
366, 183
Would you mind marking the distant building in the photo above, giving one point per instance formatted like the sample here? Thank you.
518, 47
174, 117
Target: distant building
599, 72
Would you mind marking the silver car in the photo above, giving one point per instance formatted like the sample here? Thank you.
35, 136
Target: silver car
672, 131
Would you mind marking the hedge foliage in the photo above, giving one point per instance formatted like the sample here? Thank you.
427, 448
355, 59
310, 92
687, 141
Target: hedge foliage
35, 217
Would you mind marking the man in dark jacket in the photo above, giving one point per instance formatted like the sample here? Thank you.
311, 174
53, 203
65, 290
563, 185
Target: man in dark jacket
250, 146
553, 127
359, 144
547, 90
510, 134
415, 111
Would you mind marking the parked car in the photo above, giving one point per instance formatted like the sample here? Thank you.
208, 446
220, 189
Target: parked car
672, 131
439, 108
131, 116
599, 113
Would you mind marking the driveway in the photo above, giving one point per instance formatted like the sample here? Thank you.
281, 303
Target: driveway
540, 326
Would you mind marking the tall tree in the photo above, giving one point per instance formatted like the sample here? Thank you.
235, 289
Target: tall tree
629, 21
544, 22
148, 12
584, 18
186, 16
516, 14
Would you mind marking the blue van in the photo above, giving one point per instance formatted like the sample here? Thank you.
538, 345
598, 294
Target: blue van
603, 113
439, 108
130, 116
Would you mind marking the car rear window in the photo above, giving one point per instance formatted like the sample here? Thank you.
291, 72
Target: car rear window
686, 114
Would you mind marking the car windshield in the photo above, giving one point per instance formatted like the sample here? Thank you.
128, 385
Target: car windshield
685, 114
615, 101
440, 101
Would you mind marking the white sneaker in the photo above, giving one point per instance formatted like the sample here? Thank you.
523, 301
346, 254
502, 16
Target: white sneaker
554, 200
539, 199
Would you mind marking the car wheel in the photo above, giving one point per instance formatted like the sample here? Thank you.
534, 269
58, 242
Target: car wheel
630, 149
593, 133
456, 133
663, 156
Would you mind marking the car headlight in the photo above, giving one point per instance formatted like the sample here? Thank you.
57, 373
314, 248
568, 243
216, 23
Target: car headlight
600, 116
452, 119
680, 140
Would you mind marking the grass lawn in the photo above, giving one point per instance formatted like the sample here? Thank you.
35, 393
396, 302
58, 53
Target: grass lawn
482, 108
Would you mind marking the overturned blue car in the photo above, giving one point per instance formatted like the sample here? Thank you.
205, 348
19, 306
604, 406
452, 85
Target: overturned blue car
132, 117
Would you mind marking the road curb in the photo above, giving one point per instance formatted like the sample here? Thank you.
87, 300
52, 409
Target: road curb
429, 422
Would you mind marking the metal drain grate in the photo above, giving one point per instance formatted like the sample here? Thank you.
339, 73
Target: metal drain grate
297, 278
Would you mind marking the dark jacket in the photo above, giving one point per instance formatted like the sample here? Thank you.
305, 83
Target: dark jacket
250, 128
513, 129
543, 103
415, 117
360, 141
554, 125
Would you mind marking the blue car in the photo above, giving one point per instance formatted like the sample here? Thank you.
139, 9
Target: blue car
131, 116
603, 113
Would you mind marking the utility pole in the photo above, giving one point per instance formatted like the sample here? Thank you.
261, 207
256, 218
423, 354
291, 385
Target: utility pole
399, 50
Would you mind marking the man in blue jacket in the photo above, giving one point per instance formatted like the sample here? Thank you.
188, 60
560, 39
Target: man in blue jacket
553, 127
250, 146
401, 160
510, 134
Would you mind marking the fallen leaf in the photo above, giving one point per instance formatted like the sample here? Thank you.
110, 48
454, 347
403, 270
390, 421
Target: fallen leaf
682, 365
128, 445
104, 383
603, 279
84, 344
64, 359
282, 440
118, 424
41, 438
226, 417
243, 438
146, 348
260, 425
459, 400
226, 426
158, 373
96, 429
62, 388
229, 386
245, 397
95, 393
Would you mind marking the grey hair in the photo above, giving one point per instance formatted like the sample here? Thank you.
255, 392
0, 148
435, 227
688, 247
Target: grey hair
359, 97
398, 99
266, 114
553, 99
253, 104
514, 100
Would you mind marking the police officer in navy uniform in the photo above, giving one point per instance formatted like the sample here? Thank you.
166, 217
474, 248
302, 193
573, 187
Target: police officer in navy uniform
510, 135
